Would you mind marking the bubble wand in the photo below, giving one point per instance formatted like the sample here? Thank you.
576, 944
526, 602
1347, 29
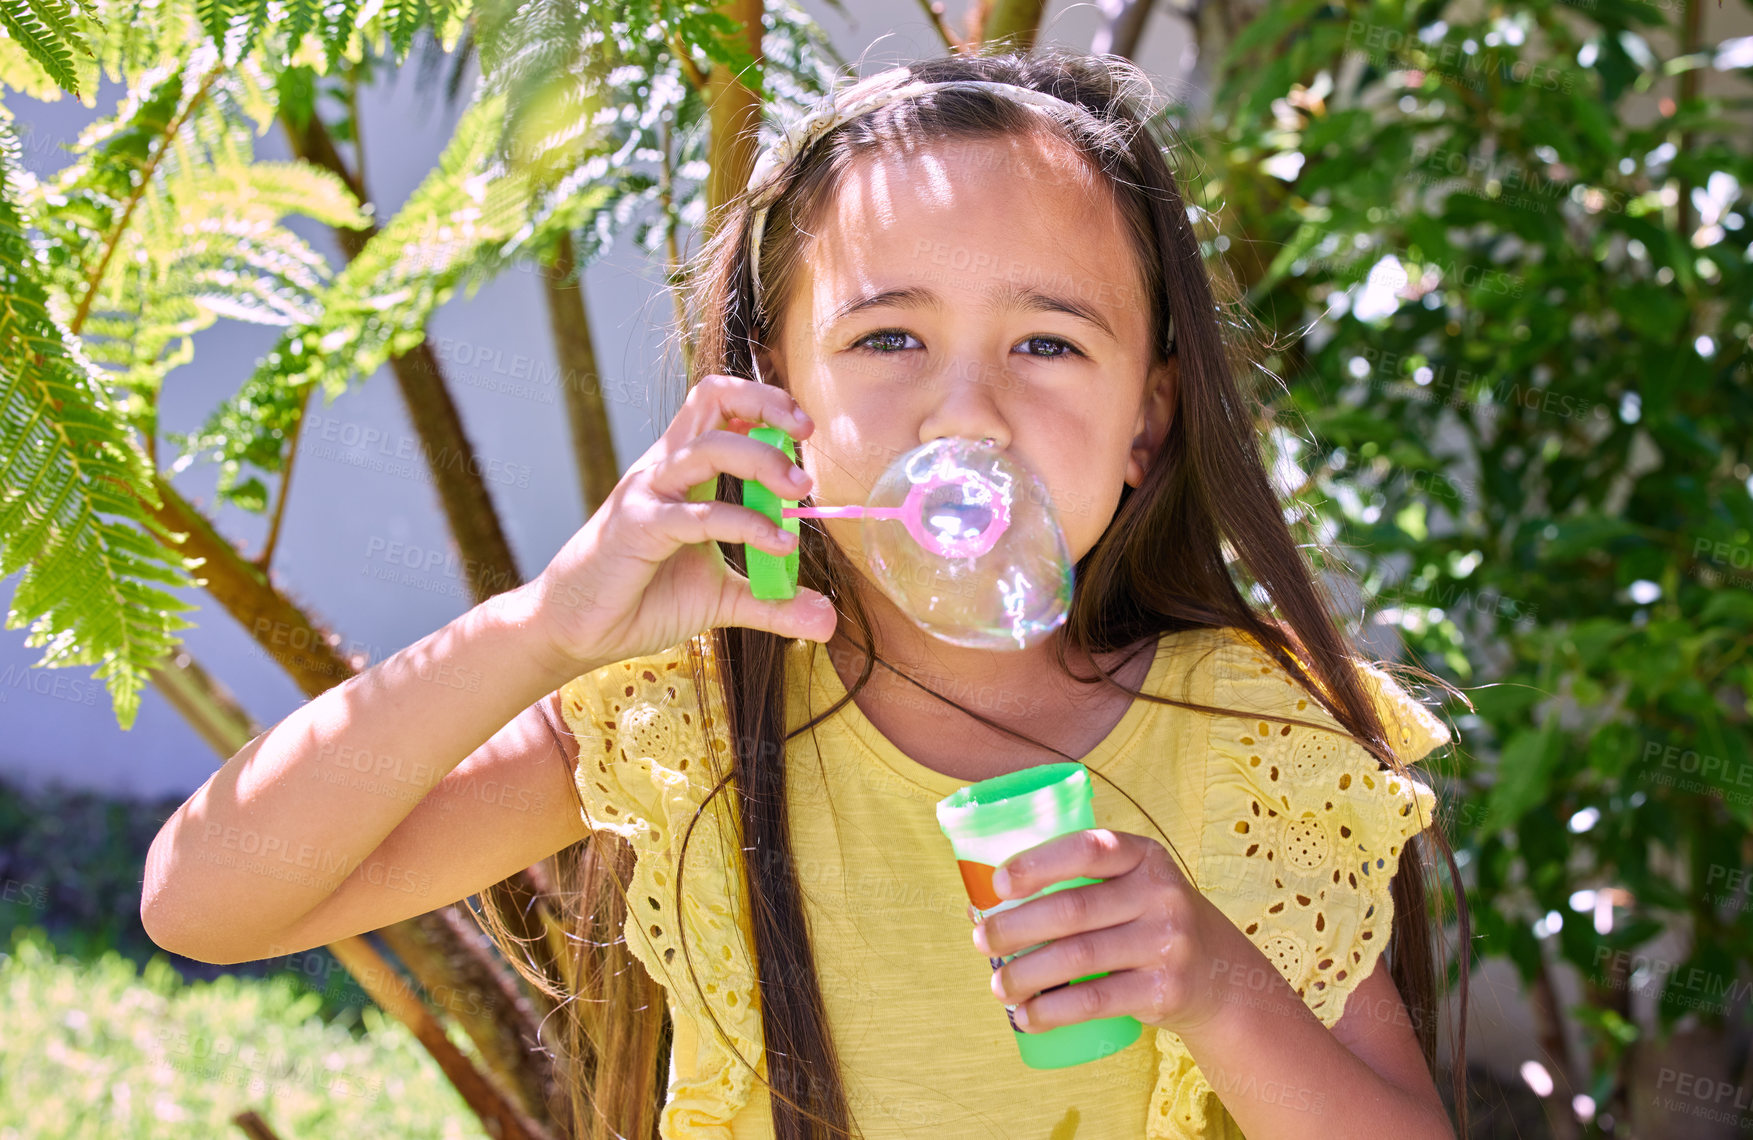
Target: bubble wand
979, 559
950, 510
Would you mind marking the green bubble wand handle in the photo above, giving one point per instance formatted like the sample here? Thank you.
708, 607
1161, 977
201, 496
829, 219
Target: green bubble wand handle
945, 533
772, 577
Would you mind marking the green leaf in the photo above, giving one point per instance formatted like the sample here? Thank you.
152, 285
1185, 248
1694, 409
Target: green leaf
1706, 983
340, 26
47, 32
1524, 772
72, 482
168, 230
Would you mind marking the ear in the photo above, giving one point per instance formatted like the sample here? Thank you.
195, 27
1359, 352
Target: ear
764, 361
1155, 414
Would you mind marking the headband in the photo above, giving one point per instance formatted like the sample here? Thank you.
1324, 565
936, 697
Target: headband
868, 95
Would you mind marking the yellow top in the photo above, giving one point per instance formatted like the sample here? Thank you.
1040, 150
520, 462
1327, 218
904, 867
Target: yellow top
1293, 832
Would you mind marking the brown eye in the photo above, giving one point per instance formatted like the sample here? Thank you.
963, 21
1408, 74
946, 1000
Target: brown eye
888, 337
1065, 347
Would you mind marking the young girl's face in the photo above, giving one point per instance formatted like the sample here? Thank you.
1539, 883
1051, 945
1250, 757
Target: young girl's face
975, 288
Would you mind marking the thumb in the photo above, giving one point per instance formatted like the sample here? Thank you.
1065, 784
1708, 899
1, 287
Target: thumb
810, 615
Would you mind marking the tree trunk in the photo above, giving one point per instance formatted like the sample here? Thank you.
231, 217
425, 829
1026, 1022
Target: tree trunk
1011, 24
593, 444
735, 113
1686, 1087
474, 524
455, 963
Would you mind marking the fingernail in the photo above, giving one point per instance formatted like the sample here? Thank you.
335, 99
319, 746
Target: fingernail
799, 477
1001, 882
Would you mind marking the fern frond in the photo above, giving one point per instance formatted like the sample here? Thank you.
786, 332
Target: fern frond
452, 226
403, 18
21, 72
215, 16
204, 238
90, 584
338, 29
301, 17
46, 30
456, 230
142, 34
448, 20
479, 211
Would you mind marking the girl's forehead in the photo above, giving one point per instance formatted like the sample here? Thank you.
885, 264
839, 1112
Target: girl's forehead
965, 216
949, 174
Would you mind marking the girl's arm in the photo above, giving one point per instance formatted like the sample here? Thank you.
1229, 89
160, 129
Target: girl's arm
1176, 962
1285, 1076
324, 826
405, 788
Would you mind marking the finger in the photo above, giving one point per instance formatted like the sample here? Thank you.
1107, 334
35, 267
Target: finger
700, 461
690, 523
1061, 914
1065, 961
1131, 993
809, 615
722, 402
1094, 853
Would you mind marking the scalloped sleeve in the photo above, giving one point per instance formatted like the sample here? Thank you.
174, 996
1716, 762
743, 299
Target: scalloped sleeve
1301, 835
649, 753
1303, 830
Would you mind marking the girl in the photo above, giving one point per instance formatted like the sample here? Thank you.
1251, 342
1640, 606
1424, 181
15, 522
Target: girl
1005, 259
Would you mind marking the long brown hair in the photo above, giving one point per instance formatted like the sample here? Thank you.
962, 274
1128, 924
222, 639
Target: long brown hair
1159, 568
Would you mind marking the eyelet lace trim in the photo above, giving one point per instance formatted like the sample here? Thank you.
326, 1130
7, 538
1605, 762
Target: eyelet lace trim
1302, 836
643, 771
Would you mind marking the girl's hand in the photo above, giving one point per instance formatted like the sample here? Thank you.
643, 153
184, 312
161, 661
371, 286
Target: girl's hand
645, 573
1158, 939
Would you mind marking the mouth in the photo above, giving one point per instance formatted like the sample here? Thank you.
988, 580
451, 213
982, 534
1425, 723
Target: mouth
949, 515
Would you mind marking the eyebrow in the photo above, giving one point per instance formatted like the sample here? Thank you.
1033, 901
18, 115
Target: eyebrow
1007, 296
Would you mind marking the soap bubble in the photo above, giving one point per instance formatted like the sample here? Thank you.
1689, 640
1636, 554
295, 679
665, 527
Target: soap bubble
964, 540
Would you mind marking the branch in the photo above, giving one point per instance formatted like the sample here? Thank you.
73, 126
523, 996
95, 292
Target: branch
673, 276
462, 492
689, 67
203, 702
290, 637
384, 986
735, 116
267, 555
94, 279
1014, 23
593, 445
491, 569
1549, 1032
358, 127
934, 13
1122, 27
448, 954
254, 1126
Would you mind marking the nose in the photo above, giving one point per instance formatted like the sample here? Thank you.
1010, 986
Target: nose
968, 408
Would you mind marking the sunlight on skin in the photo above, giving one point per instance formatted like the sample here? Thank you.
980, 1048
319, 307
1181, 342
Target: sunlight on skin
974, 222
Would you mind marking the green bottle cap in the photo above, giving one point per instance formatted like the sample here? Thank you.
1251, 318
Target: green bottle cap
1048, 799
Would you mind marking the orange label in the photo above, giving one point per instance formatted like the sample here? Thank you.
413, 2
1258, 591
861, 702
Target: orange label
977, 877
